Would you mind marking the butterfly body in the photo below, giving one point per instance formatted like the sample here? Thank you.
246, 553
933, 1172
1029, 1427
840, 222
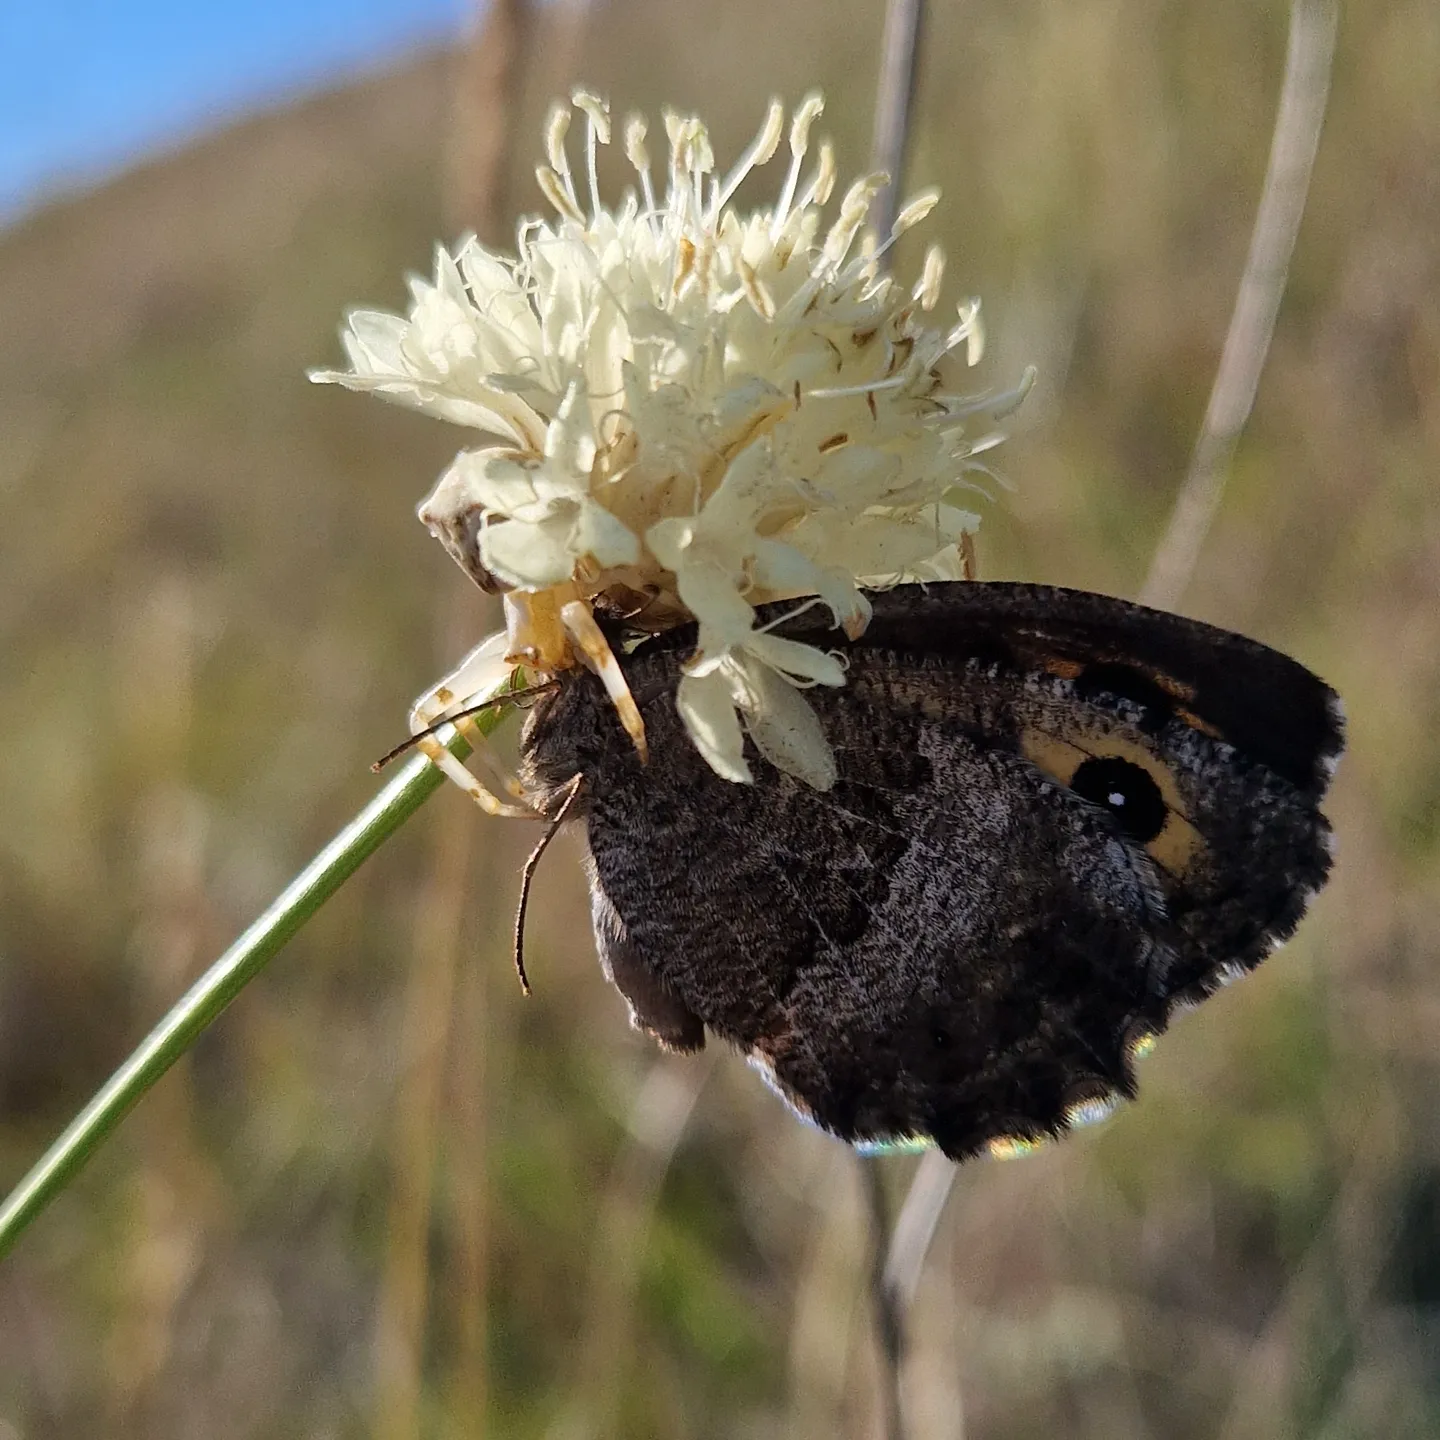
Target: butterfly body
1058, 816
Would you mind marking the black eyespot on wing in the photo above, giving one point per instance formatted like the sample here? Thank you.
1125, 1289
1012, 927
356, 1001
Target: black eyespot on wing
1126, 683
1126, 791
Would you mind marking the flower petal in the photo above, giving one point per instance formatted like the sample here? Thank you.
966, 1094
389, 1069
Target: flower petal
873, 546
510, 328
787, 731
785, 572
417, 395
706, 707
601, 535
795, 659
706, 587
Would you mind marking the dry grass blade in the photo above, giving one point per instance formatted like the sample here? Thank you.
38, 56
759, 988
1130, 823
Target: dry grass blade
1277, 221
915, 1226
894, 95
479, 137
896, 1265
887, 1305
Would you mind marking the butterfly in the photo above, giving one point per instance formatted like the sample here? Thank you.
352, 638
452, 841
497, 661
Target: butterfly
1059, 818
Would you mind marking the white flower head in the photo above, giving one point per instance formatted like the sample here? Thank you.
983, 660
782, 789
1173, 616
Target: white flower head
692, 411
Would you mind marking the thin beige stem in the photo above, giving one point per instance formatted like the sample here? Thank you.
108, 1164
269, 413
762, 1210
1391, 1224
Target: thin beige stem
894, 97
1252, 325
889, 1314
916, 1224
482, 123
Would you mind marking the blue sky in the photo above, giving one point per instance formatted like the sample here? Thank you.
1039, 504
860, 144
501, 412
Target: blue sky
87, 86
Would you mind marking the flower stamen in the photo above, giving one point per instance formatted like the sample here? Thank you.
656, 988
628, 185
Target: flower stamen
556, 131
639, 158
811, 108
597, 113
762, 149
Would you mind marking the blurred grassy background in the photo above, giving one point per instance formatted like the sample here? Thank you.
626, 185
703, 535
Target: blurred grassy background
389, 1197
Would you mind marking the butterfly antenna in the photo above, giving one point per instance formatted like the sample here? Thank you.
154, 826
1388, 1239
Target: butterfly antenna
528, 874
411, 741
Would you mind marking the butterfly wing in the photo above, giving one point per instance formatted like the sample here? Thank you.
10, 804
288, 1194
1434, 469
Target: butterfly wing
1220, 749
1056, 818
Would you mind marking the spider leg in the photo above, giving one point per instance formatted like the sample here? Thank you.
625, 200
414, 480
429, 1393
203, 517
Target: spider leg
481, 670
580, 625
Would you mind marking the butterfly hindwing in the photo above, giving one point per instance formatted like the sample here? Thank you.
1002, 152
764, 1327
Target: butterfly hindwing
1044, 834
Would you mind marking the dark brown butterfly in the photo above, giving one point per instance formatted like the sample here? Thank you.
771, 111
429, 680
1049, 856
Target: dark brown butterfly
1059, 818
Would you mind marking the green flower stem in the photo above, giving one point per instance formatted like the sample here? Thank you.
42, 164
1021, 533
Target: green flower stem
416, 781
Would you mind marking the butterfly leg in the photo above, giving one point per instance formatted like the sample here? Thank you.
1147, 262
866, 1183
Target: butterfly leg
481, 670
580, 625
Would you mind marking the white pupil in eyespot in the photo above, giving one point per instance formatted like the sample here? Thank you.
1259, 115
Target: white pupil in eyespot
1116, 799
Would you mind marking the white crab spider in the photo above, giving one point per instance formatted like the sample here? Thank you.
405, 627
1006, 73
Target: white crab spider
544, 634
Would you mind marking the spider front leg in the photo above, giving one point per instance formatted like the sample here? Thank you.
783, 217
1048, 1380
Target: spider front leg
579, 623
481, 671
